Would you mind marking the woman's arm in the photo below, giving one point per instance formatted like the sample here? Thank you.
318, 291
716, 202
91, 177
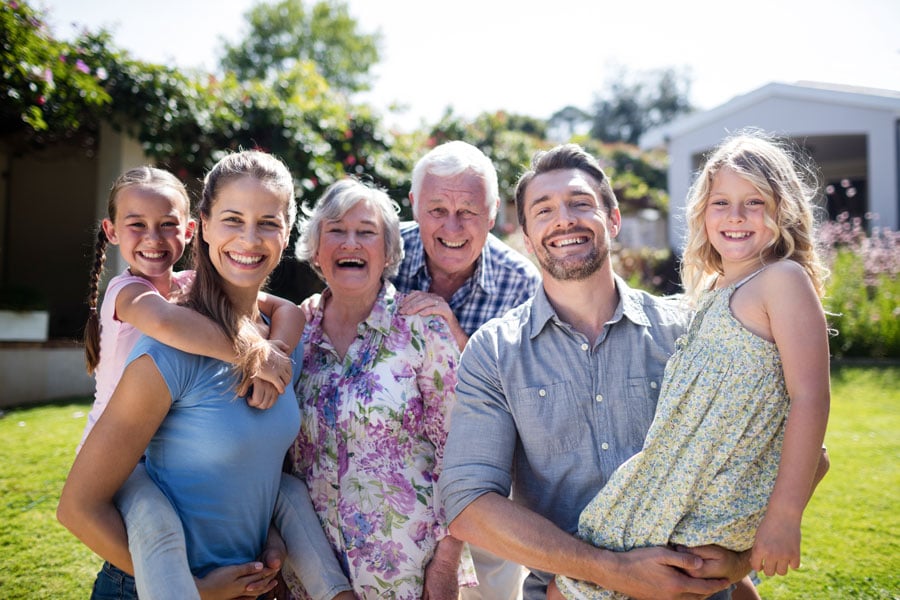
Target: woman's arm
109, 455
287, 320
799, 329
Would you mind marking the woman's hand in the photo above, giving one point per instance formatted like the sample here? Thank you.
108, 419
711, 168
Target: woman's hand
237, 582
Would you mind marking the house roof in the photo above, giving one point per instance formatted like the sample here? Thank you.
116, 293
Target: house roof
809, 91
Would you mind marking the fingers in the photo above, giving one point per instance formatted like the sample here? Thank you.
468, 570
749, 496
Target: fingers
264, 395
422, 303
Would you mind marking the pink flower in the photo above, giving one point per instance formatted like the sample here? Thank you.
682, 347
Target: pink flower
81, 66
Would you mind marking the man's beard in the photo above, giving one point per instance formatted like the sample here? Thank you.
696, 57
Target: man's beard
574, 268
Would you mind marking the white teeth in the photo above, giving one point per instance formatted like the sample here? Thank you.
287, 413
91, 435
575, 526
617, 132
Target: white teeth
245, 260
355, 262
569, 242
152, 255
453, 244
736, 235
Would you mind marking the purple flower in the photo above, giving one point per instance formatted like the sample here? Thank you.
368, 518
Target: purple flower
81, 66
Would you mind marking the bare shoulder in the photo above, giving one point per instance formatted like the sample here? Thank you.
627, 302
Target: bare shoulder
784, 275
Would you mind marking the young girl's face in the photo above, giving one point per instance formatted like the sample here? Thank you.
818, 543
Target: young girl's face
735, 220
151, 230
247, 232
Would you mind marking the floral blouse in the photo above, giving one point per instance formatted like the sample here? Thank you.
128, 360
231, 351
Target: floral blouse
371, 443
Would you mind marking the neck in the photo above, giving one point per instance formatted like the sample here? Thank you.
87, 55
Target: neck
350, 309
446, 284
586, 304
245, 301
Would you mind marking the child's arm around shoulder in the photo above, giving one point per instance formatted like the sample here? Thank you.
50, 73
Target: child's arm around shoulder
287, 321
799, 329
177, 326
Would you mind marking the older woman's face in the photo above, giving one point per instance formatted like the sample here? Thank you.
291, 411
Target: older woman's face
246, 231
351, 251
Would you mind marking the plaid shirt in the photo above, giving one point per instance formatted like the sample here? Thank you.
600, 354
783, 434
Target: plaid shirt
503, 279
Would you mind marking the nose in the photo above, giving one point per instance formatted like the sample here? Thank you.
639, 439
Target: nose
565, 216
452, 223
736, 212
350, 240
250, 235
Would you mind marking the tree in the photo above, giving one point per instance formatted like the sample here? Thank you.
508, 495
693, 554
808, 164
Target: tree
631, 105
285, 33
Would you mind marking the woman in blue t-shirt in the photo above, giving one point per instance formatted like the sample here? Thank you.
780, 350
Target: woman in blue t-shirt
217, 459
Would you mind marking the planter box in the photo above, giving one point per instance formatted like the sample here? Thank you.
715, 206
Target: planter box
24, 325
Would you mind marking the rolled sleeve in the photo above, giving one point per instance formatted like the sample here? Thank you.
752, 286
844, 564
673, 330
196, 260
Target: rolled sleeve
479, 451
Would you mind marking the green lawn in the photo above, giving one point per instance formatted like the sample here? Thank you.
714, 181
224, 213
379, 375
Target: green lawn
851, 544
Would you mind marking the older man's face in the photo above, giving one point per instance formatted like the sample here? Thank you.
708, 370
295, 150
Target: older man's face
454, 222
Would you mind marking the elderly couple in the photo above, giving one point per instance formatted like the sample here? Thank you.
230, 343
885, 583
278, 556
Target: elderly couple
384, 468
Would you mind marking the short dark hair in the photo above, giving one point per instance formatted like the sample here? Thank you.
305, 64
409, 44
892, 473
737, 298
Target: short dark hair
564, 156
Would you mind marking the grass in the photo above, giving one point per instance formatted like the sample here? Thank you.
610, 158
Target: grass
851, 547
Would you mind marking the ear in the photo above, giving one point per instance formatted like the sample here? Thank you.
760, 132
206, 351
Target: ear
614, 222
528, 245
412, 206
496, 212
189, 231
110, 230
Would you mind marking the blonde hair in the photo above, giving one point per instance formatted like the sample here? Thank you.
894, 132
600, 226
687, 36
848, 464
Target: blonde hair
149, 179
788, 185
207, 295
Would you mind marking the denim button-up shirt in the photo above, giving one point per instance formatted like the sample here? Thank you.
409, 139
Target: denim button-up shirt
549, 414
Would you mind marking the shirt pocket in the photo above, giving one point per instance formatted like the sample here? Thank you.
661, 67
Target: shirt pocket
642, 395
550, 420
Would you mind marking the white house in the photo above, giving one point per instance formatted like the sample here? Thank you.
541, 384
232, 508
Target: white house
852, 134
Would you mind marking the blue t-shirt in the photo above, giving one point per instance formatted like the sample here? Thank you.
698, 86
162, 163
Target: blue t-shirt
217, 459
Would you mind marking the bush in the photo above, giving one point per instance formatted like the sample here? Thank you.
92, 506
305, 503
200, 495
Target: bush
863, 292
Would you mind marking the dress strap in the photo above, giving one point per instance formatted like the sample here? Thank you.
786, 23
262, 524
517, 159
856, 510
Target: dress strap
752, 275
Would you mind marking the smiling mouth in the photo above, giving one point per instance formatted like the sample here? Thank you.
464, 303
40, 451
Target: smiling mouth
152, 255
569, 241
736, 235
245, 260
351, 263
452, 245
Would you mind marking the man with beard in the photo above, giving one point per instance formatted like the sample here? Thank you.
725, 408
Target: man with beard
557, 393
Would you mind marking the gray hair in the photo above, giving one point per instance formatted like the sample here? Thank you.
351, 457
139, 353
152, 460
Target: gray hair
339, 198
451, 159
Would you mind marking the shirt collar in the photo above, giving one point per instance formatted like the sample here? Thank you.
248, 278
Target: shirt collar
380, 316
630, 305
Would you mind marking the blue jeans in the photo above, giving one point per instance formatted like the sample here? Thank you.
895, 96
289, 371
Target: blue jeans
113, 584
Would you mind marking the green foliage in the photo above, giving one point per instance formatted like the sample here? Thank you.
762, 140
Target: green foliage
863, 292
50, 92
285, 33
632, 104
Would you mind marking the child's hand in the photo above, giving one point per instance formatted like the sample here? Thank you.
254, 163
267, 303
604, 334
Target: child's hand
263, 395
277, 369
248, 580
777, 546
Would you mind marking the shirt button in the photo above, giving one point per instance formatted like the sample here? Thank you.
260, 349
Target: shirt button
653, 385
605, 446
585, 347
542, 393
599, 397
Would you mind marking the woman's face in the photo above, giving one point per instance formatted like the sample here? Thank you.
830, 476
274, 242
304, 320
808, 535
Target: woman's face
246, 231
351, 251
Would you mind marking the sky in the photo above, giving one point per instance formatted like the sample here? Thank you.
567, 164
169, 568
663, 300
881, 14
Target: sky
535, 57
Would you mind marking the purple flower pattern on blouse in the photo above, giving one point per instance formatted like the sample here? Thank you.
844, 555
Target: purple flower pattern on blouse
371, 444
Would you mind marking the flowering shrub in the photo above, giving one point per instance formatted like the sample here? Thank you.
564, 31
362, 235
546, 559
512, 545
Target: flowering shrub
863, 292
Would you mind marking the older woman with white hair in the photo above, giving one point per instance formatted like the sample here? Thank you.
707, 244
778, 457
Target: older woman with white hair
376, 390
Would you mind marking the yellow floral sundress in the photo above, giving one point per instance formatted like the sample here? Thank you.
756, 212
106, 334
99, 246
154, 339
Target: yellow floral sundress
711, 455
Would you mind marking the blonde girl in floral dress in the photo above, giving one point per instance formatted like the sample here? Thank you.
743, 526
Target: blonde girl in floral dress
375, 392
731, 456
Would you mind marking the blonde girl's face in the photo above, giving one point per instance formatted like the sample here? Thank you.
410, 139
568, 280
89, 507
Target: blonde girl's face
247, 232
151, 229
735, 220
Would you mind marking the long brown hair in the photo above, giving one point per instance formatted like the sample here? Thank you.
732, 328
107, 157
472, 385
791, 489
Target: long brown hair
207, 296
151, 179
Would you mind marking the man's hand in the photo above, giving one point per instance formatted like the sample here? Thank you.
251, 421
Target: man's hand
426, 304
651, 573
719, 563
